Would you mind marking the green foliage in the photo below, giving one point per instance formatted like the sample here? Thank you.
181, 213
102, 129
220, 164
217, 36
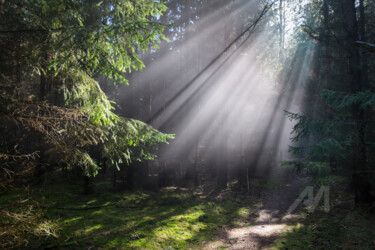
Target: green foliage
83, 92
68, 44
97, 37
333, 136
342, 100
321, 172
132, 140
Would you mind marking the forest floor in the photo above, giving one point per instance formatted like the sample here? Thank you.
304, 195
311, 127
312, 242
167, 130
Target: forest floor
59, 216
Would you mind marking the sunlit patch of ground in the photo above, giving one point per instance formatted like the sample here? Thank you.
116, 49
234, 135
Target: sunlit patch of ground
267, 216
250, 237
257, 231
258, 226
258, 236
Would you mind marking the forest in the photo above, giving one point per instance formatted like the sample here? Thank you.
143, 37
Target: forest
187, 124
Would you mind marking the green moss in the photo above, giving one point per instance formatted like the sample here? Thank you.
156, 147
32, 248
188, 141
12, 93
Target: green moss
170, 219
243, 212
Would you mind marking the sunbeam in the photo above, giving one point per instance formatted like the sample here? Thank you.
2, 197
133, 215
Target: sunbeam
225, 102
232, 78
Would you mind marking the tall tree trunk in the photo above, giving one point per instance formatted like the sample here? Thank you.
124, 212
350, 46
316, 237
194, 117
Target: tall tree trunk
281, 30
114, 176
87, 185
223, 164
242, 171
326, 40
363, 36
197, 103
130, 176
196, 162
366, 114
44, 79
360, 182
327, 70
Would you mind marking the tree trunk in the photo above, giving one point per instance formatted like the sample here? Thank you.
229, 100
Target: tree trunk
326, 42
363, 36
130, 176
360, 179
87, 188
281, 30
196, 172
223, 164
242, 169
114, 176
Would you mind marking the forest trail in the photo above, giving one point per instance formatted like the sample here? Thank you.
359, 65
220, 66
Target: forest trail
265, 221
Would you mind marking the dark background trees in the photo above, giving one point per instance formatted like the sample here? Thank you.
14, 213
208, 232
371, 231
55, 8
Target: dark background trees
342, 124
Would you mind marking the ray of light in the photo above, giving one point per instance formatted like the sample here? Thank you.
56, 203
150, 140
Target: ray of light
226, 106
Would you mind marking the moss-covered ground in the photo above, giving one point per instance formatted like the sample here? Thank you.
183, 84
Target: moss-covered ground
170, 218
60, 216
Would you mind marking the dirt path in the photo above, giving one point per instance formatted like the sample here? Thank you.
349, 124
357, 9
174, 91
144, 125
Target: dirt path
265, 222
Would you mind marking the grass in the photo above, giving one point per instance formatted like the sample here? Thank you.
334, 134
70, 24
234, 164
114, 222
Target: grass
135, 220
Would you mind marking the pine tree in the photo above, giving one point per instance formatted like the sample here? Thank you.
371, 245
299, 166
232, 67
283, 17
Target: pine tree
49, 87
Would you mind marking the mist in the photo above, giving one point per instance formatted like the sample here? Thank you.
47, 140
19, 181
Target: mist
217, 85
